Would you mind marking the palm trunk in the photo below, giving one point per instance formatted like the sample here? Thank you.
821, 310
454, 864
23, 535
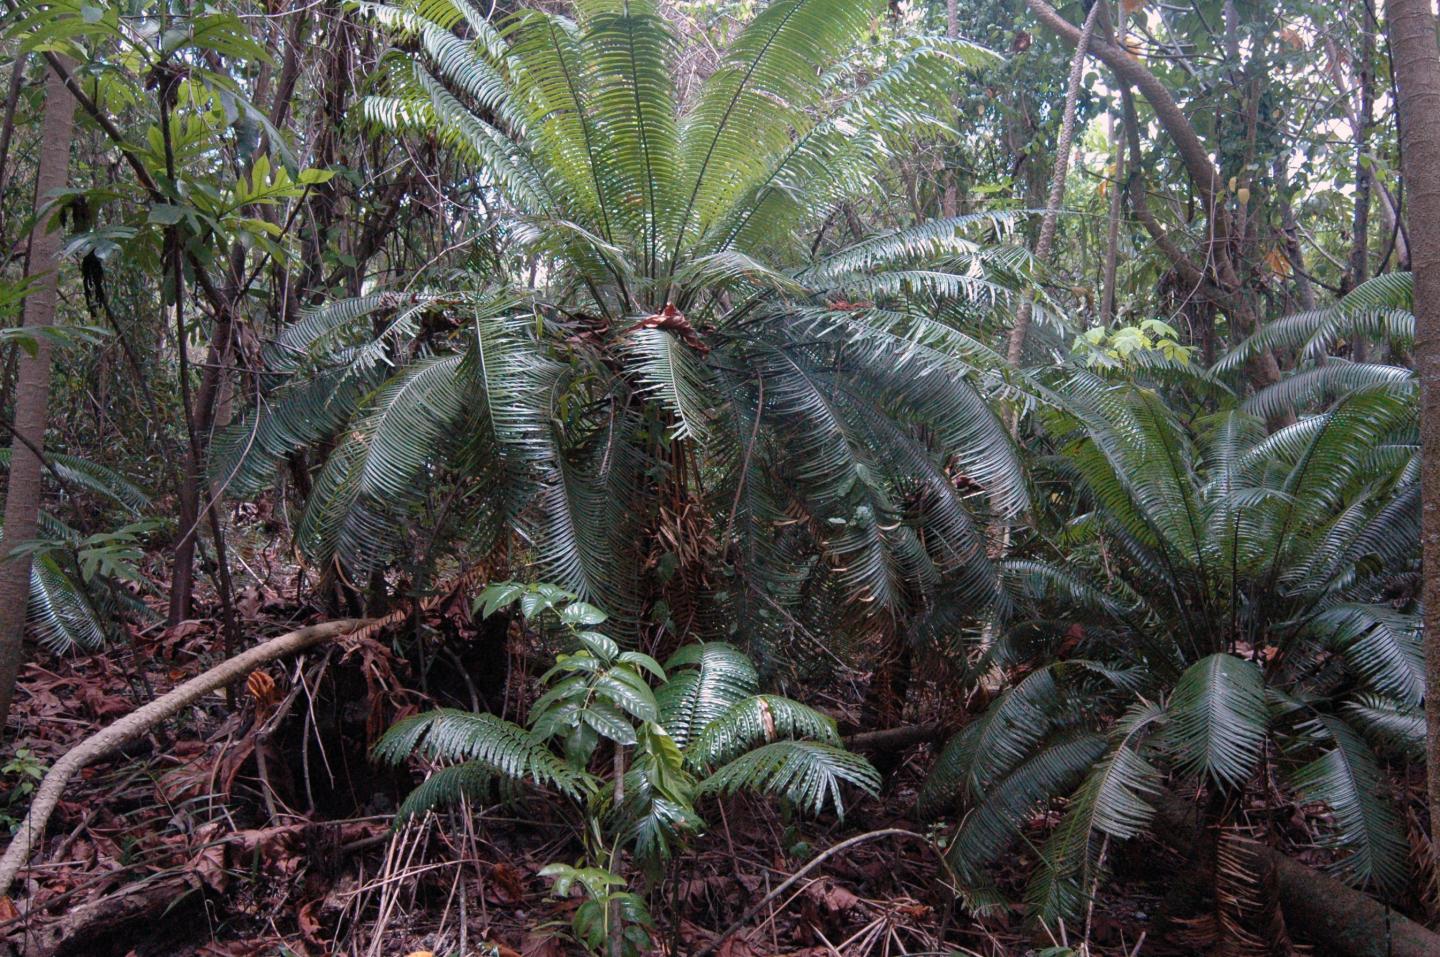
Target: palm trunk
32, 392
1417, 74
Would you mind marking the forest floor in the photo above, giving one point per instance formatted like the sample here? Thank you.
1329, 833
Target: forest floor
254, 825
188, 844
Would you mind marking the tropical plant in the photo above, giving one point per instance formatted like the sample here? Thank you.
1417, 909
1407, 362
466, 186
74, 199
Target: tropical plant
705, 730
78, 583
1250, 606
1374, 315
662, 374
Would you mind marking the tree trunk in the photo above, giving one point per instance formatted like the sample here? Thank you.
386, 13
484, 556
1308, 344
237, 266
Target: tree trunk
1417, 74
950, 199
1339, 920
32, 393
1112, 225
7, 130
1016, 346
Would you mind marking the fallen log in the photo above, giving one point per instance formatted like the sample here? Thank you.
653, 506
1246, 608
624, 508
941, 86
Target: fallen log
141, 720
901, 737
80, 929
1336, 918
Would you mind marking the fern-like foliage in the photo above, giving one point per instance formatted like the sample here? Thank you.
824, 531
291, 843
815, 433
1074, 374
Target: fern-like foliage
687, 341
807, 773
483, 742
1242, 602
733, 738
69, 610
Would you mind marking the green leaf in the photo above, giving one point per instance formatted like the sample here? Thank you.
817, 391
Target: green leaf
1218, 719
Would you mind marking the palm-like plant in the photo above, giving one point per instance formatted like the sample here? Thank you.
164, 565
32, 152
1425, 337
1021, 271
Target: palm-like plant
77, 581
705, 730
690, 410
1251, 607
1375, 315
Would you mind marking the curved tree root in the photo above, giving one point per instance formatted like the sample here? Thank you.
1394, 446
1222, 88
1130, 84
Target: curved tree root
141, 720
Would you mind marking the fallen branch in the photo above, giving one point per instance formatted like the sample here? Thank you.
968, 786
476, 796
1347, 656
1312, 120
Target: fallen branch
91, 922
141, 720
901, 737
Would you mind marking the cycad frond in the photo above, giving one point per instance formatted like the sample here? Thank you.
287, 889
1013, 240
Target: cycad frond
504, 749
1111, 802
757, 720
1006, 804
1399, 727
1378, 309
81, 473
993, 744
808, 773
705, 682
1218, 718
61, 613
750, 106
447, 786
1380, 643
1348, 780
675, 375
1310, 388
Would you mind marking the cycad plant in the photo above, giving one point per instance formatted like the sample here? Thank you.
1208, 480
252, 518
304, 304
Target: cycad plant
705, 729
78, 582
1237, 610
1373, 323
661, 375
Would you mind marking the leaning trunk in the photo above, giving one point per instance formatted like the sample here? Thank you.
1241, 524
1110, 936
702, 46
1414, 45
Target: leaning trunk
1417, 74
32, 392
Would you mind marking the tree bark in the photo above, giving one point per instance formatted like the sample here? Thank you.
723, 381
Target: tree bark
1340, 920
32, 392
7, 130
1417, 75
1112, 226
950, 198
890, 739
1364, 176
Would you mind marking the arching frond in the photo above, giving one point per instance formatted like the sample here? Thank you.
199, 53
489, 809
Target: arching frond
809, 774
706, 681
1347, 779
1002, 808
1112, 802
483, 741
1218, 718
757, 720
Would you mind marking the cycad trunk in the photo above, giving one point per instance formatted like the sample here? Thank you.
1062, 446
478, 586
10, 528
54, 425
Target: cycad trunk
32, 392
1417, 73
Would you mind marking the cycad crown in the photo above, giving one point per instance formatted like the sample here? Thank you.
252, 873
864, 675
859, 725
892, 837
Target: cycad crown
687, 355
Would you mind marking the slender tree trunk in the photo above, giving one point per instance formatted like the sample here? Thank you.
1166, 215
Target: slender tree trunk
1016, 346
7, 130
32, 392
1112, 225
1417, 74
1304, 291
1364, 178
950, 199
